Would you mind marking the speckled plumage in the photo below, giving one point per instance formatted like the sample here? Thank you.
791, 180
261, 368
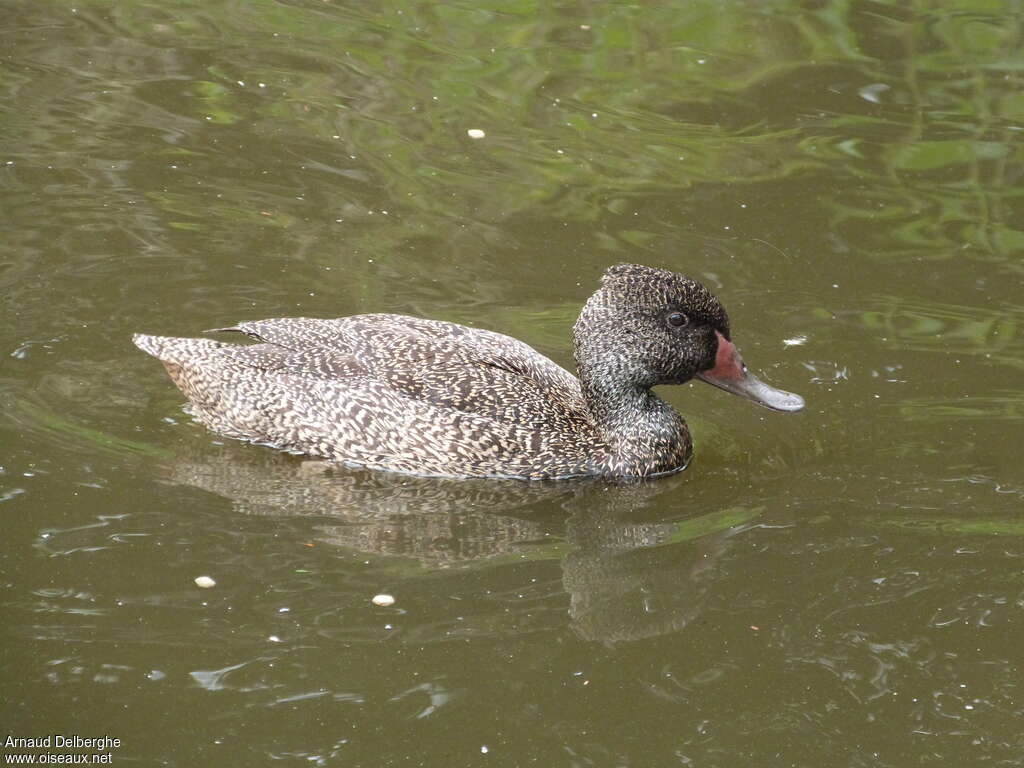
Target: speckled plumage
435, 398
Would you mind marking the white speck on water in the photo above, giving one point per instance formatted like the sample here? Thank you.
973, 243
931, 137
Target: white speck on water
475, 133
873, 92
795, 341
484, 749
284, 610
205, 582
701, 61
383, 600
241, 82
274, 639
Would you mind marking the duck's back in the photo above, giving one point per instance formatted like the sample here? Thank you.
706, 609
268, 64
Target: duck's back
389, 391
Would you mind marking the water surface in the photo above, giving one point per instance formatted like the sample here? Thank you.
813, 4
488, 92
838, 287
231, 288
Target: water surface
838, 587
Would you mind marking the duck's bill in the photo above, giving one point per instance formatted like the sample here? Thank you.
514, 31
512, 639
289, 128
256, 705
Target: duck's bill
732, 375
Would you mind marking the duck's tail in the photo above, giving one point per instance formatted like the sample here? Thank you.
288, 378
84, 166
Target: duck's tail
152, 345
193, 365
173, 349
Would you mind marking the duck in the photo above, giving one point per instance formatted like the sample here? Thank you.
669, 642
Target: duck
428, 397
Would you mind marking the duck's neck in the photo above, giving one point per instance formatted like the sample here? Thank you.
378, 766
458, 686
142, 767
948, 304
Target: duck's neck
645, 434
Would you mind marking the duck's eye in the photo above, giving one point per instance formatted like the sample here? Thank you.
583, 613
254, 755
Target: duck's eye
677, 320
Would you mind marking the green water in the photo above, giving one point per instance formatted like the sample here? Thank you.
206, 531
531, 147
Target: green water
844, 586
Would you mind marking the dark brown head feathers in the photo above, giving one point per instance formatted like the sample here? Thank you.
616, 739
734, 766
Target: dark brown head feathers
647, 286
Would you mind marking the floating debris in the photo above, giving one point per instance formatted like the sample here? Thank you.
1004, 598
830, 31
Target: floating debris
383, 600
205, 582
873, 92
795, 341
475, 133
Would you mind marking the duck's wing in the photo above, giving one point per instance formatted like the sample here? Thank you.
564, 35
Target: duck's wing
379, 341
448, 365
389, 392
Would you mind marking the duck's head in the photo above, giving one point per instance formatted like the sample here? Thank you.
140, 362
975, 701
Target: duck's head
646, 326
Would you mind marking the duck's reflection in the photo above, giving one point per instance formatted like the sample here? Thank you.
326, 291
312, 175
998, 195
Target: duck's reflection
631, 567
634, 569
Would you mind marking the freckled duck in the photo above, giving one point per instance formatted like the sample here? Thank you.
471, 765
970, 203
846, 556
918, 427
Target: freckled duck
435, 398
